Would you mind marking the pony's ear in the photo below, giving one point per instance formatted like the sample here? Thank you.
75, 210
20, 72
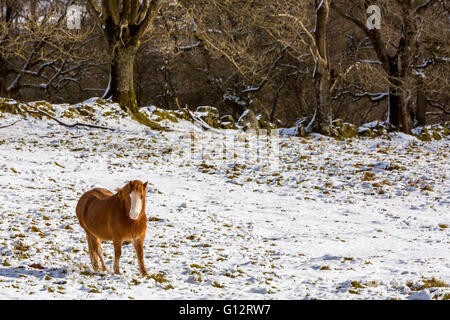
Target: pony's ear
145, 185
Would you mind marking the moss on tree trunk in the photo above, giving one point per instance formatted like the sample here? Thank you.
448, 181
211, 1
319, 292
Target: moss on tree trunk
121, 86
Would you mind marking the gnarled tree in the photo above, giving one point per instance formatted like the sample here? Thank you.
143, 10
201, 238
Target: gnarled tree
124, 23
315, 39
399, 48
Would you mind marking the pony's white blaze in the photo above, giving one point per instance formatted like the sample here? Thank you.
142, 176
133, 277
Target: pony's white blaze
136, 205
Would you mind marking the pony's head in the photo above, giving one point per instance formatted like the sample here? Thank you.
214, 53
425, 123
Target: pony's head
134, 192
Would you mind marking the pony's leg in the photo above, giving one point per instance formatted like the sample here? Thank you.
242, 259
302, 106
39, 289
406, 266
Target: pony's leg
139, 248
117, 254
92, 251
99, 252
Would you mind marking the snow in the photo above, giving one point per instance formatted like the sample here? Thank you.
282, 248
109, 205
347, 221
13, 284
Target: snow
371, 125
235, 99
244, 114
313, 119
195, 45
363, 129
224, 229
288, 131
421, 295
369, 61
108, 88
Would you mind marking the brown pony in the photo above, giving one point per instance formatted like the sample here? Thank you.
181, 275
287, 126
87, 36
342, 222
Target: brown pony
112, 217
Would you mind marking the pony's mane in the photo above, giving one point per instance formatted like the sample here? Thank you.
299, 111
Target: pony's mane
120, 189
127, 184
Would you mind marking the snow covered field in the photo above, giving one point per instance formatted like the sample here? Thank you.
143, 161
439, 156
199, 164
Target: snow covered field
353, 219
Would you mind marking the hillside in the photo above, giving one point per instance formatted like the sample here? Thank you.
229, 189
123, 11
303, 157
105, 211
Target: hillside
363, 218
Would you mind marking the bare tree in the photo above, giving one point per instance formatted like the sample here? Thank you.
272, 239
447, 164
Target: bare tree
312, 34
39, 52
259, 37
9, 11
398, 47
124, 23
229, 31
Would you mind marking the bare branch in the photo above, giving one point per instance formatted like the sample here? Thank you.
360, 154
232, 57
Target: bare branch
10, 125
69, 125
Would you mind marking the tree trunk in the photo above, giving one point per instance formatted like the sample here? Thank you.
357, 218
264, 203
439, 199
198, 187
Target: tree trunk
405, 116
395, 101
121, 83
3, 77
324, 111
399, 115
420, 103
